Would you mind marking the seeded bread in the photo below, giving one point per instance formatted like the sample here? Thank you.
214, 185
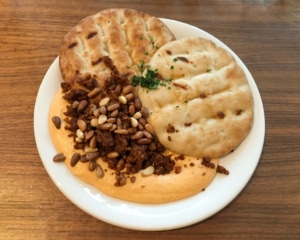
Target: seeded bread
127, 36
207, 108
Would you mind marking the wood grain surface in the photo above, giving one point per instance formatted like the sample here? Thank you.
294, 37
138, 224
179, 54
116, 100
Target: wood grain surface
265, 34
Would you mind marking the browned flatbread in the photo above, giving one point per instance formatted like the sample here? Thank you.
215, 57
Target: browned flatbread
193, 178
207, 108
127, 36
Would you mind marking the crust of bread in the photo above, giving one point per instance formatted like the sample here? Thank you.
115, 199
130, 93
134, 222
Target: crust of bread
127, 36
153, 189
208, 101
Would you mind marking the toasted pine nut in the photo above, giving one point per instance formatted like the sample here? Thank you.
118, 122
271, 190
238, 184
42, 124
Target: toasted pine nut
94, 92
74, 160
81, 124
75, 104
122, 99
137, 103
138, 135
60, 157
129, 96
79, 133
92, 156
137, 115
104, 101
93, 142
127, 89
149, 128
82, 105
102, 110
134, 122
144, 141
113, 107
148, 171
114, 113
145, 112
90, 150
113, 155
102, 119
105, 126
94, 122
147, 134
131, 110
99, 171
121, 131
88, 135
96, 112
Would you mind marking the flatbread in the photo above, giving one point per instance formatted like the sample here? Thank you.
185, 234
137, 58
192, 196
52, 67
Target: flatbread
129, 37
207, 107
193, 178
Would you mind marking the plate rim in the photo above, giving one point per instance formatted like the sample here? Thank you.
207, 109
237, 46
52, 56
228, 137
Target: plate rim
132, 215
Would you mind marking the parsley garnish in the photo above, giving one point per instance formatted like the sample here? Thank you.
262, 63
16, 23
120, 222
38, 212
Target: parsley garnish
150, 81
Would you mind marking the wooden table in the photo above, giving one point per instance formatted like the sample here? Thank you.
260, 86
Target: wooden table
264, 34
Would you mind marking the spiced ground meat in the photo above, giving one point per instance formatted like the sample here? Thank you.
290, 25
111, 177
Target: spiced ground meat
111, 122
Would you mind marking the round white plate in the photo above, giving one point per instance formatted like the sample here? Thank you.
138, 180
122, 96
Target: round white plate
241, 164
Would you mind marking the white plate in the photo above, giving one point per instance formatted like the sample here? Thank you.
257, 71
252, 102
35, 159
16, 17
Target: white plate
241, 164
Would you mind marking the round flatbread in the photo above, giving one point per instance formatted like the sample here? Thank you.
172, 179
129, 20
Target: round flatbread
206, 106
129, 37
193, 178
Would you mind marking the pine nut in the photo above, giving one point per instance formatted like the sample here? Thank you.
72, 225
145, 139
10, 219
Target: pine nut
121, 131
111, 120
82, 105
147, 134
94, 92
113, 107
60, 157
79, 134
102, 119
81, 124
89, 134
99, 171
79, 140
96, 112
122, 99
105, 126
143, 141
129, 96
134, 122
89, 150
75, 104
94, 122
74, 160
138, 135
104, 101
56, 121
118, 89
93, 142
92, 166
145, 112
137, 115
113, 128
113, 155
127, 89
92, 156
102, 110
137, 103
131, 110
149, 128
148, 171
114, 113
